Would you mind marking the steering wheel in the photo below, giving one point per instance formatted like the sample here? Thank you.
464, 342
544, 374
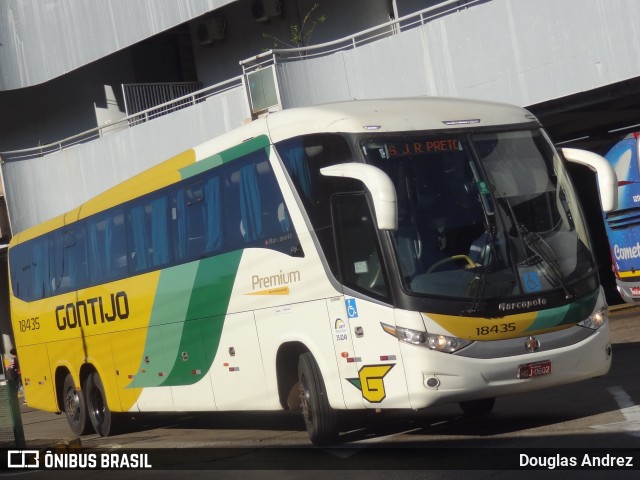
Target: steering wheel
452, 258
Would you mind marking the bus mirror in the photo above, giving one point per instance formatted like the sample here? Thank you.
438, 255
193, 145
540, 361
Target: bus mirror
379, 186
605, 174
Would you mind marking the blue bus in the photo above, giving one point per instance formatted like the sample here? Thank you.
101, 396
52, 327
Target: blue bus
623, 223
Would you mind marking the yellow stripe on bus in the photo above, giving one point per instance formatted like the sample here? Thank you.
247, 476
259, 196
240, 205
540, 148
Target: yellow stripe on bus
630, 274
272, 291
477, 328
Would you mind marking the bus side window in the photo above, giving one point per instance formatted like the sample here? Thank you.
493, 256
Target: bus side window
213, 215
21, 270
148, 233
107, 246
357, 244
75, 272
39, 271
250, 198
303, 157
68, 255
255, 212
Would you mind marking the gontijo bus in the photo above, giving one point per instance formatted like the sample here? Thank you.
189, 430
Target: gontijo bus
387, 254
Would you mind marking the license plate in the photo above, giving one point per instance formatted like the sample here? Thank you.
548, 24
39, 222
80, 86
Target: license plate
635, 291
537, 369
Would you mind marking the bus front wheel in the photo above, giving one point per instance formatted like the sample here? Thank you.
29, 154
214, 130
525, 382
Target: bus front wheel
103, 420
319, 417
75, 407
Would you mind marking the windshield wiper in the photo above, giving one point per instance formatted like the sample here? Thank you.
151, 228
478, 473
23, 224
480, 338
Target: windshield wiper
541, 248
476, 288
477, 285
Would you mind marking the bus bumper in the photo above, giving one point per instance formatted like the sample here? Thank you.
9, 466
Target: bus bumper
629, 292
435, 378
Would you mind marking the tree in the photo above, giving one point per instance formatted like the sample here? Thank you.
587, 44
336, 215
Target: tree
300, 34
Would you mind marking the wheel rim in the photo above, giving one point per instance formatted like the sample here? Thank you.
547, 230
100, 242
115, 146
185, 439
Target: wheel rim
72, 405
97, 405
304, 399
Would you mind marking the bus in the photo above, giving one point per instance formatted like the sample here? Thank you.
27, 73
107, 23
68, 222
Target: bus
387, 254
621, 224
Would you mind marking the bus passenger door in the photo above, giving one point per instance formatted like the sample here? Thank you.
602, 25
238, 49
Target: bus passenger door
367, 304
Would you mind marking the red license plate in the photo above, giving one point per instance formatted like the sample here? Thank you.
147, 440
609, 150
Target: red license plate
635, 291
537, 369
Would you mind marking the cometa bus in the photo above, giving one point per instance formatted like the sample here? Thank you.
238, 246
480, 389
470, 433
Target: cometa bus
387, 254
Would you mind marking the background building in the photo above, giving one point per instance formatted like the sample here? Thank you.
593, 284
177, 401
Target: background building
92, 92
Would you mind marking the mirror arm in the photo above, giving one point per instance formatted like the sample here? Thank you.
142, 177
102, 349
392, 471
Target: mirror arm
379, 185
606, 175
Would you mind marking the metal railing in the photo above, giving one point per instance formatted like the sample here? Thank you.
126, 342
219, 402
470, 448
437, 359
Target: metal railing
139, 97
249, 65
128, 121
393, 27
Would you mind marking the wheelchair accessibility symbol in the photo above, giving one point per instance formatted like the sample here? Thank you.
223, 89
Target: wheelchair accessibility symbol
352, 309
531, 282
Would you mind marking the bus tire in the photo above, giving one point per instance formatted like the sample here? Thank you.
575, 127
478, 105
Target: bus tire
319, 417
75, 407
478, 407
103, 420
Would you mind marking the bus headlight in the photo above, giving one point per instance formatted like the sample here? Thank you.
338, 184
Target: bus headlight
432, 341
596, 319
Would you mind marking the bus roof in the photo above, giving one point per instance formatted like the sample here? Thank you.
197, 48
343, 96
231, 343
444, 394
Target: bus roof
387, 115
380, 115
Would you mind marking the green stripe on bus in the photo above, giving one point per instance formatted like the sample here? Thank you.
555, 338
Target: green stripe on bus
186, 321
223, 157
205, 318
566, 315
170, 307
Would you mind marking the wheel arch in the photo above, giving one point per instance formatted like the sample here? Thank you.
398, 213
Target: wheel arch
60, 376
287, 373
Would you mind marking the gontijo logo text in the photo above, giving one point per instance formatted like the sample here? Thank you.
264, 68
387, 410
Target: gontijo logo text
92, 311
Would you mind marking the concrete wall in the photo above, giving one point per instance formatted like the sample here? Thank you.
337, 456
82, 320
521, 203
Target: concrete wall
86, 96
62, 107
43, 39
245, 38
518, 51
44, 187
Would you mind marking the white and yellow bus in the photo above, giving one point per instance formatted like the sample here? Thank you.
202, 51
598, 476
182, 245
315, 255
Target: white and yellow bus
387, 254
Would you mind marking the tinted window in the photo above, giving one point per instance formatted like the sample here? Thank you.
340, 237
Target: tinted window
236, 205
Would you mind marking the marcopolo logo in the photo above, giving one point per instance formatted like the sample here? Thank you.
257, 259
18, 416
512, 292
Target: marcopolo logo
23, 459
509, 306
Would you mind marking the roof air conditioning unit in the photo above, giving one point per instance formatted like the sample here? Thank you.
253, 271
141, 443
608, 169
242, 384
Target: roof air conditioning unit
211, 30
263, 10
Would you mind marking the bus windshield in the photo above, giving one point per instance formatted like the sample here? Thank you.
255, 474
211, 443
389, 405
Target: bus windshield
483, 215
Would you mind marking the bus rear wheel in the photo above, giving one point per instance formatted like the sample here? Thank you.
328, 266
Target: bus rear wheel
103, 420
319, 417
75, 407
